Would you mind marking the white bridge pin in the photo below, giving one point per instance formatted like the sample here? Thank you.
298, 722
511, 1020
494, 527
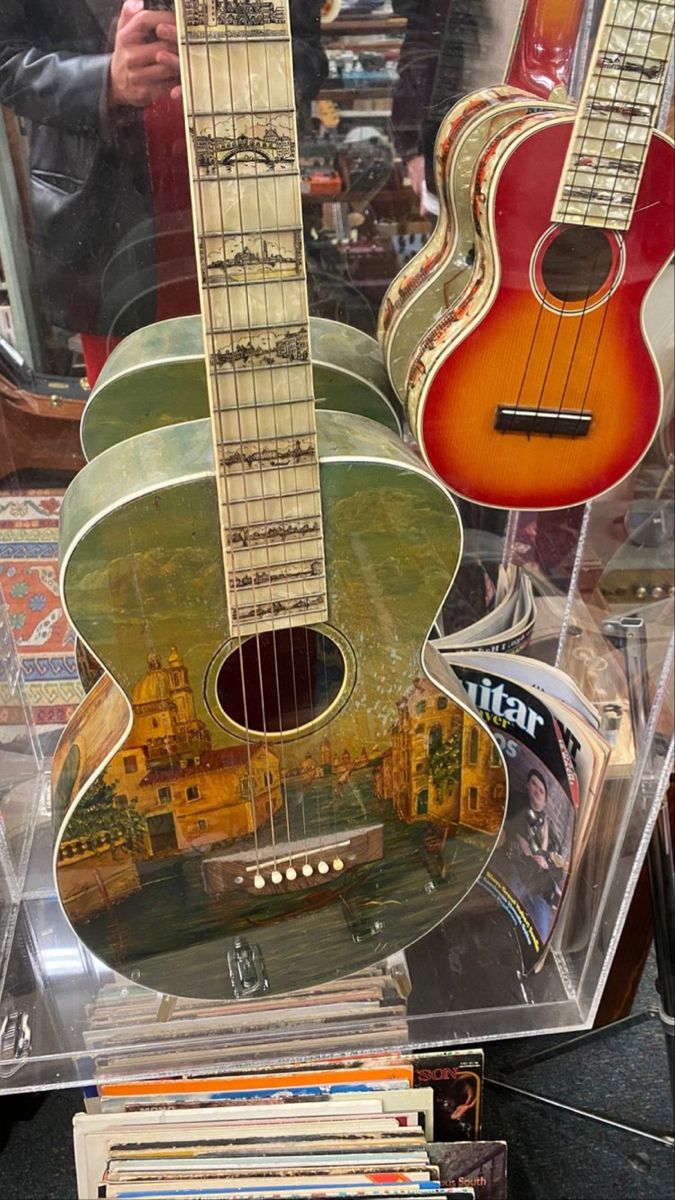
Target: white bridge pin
276, 877
291, 873
258, 881
338, 864
308, 870
322, 868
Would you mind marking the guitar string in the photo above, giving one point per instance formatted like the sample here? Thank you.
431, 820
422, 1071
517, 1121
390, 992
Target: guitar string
217, 416
230, 563
288, 78
314, 466
253, 380
294, 467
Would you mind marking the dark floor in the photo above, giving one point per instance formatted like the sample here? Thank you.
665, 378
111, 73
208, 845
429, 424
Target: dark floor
553, 1155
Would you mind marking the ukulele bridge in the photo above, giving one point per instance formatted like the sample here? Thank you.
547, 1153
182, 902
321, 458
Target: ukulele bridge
550, 422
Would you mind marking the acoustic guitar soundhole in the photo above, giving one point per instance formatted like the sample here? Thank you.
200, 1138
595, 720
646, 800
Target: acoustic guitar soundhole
280, 680
577, 263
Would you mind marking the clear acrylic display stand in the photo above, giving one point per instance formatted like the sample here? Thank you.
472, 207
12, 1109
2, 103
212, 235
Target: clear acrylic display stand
55, 991
23, 798
66, 1019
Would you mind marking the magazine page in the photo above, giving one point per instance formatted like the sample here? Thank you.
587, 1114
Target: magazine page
577, 718
507, 627
529, 870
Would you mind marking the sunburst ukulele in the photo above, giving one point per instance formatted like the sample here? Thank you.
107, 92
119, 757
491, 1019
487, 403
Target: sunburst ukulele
272, 785
538, 389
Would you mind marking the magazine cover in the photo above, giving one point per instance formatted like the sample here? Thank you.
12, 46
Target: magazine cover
529, 869
456, 1078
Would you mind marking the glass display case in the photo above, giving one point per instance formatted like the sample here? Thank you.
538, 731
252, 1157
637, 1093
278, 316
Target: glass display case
388, 864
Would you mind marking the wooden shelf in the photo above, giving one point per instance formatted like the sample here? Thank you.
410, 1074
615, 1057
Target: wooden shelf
362, 93
365, 25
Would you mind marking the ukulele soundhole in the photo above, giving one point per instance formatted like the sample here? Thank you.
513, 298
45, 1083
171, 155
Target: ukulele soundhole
281, 680
577, 264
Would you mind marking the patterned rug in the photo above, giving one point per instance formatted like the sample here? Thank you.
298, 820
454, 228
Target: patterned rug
29, 584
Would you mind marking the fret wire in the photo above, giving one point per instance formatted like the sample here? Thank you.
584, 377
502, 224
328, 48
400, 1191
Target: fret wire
309, 491
246, 367
224, 339
606, 134
277, 437
590, 101
226, 114
287, 562
270, 403
611, 201
222, 330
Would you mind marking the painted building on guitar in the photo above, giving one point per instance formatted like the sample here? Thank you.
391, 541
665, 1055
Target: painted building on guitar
439, 768
190, 795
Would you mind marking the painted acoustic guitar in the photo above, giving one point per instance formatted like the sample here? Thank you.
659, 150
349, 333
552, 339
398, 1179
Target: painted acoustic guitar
538, 388
540, 64
273, 783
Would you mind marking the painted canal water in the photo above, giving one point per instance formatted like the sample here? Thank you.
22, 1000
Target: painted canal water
173, 930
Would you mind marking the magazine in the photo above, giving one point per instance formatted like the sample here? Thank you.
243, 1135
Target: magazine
505, 628
530, 867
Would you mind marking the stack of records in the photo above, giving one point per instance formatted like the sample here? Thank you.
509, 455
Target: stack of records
319, 1130
127, 1024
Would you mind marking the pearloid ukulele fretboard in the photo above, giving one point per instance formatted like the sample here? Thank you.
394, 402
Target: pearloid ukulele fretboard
242, 142
617, 114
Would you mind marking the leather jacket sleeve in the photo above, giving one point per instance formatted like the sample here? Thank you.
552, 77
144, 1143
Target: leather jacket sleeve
51, 86
417, 70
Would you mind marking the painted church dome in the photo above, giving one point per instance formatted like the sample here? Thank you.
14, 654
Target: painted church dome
155, 686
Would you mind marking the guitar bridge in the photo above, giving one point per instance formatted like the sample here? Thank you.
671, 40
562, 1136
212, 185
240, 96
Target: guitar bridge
550, 422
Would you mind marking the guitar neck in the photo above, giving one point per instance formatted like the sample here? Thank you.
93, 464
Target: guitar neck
618, 112
237, 74
544, 45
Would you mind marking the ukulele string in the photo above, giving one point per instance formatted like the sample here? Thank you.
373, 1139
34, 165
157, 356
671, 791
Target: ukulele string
630, 32
608, 29
551, 355
561, 312
229, 559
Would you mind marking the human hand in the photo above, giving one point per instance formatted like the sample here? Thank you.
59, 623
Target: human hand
416, 169
541, 861
144, 62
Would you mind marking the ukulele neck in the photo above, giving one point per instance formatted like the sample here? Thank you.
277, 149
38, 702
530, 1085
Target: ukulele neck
236, 68
618, 112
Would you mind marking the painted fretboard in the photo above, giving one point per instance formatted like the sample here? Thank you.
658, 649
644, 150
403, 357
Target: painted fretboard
618, 111
237, 74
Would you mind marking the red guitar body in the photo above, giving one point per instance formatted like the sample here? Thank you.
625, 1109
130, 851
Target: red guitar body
549, 394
